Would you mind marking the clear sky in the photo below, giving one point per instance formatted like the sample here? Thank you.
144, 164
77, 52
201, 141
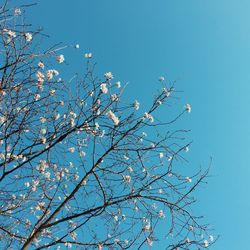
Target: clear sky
205, 46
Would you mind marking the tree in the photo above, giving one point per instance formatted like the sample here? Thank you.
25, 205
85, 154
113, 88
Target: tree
80, 167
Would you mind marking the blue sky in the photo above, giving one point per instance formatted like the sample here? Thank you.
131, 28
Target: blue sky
205, 46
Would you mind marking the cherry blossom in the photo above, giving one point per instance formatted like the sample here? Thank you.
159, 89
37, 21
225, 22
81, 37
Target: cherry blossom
188, 108
28, 37
60, 58
108, 76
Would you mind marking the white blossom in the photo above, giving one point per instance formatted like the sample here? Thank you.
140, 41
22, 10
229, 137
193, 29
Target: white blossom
159, 102
42, 119
40, 78
148, 116
127, 178
43, 139
149, 241
88, 55
56, 116
136, 105
154, 207
170, 158
82, 154
55, 72
188, 179
10, 33
108, 75
146, 227
60, 58
206, 243
114, 98
28, 37
37, 97
47, 175
118, 84
188, 108
126, 157
27, 184
130, 169
72, 122
49, 74
104, 88
113, 117
72, 150
2, 119
68, 244
40, 65
160, 191
73, 235
116, 241
211, 238
161, 214
52, 92
166, 92
17, 12
161, 155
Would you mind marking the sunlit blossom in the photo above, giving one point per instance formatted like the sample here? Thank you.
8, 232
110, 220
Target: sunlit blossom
104, 88
108, 76
149, 241
88, 55
148, 116
211, 238
56, 116
114, 98
188, 108
136, 105
17, 12
42, 119
40, 65
206, 243
161, 78
28, 37
161, 214
82, 154
127, 178
147, 227
170, 158
72, 150
60, 58
27, 184
113, 117
37, 97
118, 84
